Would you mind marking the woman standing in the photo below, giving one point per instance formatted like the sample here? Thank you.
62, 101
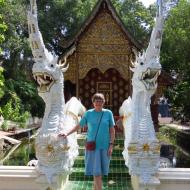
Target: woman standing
100, 124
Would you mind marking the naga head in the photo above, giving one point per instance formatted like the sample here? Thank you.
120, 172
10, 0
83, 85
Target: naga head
46, 74
47, 70
145, 73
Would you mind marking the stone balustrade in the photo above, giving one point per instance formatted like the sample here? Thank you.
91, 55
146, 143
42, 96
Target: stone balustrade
27, 178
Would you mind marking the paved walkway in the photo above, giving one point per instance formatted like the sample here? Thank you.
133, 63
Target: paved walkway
169, 122
4, 133
180, 127
18, 131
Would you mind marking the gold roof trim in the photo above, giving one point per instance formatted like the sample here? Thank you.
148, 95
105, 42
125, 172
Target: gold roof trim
103, 63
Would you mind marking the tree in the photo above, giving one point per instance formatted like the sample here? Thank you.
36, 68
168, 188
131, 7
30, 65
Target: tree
69, 16
15, 44
137, 18
175, 58
20, 91
3, 28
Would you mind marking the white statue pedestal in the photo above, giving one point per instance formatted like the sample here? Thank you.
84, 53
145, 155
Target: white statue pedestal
27, 178
58, 182
138, 184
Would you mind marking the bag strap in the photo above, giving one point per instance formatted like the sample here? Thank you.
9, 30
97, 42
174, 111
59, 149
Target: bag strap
98, 125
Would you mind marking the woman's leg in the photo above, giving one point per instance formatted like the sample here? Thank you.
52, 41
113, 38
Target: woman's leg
98, 182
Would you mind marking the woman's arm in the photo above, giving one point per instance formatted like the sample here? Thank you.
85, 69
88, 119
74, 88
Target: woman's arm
112, 134
70, 132
112, 138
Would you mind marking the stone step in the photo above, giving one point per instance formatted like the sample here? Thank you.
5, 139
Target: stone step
114, 173
107, 185
117, 179
115, 162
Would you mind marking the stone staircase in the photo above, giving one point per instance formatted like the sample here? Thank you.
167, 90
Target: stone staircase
118, 178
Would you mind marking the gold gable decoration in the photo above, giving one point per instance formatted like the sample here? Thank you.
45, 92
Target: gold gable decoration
103, 63
71, 72
104, 46
104, 30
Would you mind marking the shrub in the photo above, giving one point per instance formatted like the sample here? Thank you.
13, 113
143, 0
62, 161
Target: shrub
12, 110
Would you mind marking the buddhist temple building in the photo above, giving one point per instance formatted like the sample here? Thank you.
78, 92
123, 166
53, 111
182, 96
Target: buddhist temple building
101, 59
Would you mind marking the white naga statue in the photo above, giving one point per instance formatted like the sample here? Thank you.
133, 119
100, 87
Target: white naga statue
55, 154
142, 149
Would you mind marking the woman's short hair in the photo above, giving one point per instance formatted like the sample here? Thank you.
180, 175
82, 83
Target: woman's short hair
98, 96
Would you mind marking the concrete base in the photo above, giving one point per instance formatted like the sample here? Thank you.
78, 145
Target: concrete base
27, 178
167, 179
138, 185
174, 179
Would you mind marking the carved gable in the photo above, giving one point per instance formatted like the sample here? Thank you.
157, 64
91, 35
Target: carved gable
102, 44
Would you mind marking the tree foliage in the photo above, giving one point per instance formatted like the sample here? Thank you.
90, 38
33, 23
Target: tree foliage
15, 46
60, 20
175, 58
70, 16
12, 110
137, 18
3, 28
20, 93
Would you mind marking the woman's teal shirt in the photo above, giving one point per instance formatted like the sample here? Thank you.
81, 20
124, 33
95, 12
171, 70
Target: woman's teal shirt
91, 119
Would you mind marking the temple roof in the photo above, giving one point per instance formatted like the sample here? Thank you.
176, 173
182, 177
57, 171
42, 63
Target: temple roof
99, 5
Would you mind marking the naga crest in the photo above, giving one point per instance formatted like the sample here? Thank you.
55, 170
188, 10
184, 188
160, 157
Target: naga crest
146, 67
47, 69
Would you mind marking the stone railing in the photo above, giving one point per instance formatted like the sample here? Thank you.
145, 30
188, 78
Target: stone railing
27, 178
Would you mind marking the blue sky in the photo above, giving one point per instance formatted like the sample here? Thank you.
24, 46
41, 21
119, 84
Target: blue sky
147, 2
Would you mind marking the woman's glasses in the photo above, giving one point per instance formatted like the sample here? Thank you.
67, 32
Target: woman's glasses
98, 101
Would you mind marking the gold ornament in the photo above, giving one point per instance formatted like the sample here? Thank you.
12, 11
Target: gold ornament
65, 148
146, 147
50, 148
132, 149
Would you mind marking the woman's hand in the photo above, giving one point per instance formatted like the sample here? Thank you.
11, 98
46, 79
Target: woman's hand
64, 135
110, 150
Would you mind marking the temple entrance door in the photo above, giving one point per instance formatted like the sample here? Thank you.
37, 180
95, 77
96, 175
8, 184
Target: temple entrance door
106, 89
115, 88
69, 90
